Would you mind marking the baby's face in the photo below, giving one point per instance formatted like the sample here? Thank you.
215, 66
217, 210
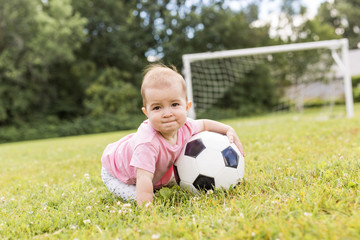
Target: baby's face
166, 108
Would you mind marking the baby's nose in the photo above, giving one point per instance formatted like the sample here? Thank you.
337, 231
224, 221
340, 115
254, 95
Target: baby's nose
167, 112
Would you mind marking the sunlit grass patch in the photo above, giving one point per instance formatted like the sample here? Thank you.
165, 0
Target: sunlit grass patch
301, 182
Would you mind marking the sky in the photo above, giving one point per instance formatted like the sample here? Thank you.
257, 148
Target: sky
269, 13
312, 6
272, 6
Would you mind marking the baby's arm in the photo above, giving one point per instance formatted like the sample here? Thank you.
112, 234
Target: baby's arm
144, 186
214, 126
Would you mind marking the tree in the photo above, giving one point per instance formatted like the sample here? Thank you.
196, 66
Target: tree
184, 27
116, 36
256, 92
111, 93
344, 16
32, 38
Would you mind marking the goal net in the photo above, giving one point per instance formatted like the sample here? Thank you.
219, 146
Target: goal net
272, 78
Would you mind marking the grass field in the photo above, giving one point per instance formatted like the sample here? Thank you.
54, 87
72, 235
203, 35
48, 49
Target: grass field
301, 182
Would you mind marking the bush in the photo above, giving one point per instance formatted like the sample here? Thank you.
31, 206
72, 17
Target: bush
253, 93
79, 126
356, 88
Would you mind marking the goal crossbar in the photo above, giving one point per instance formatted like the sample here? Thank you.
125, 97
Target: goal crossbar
342, 62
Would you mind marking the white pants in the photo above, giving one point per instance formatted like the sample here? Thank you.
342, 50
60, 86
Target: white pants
118, 188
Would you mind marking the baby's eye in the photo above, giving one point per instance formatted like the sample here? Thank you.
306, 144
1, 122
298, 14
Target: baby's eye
175, 104
156, 108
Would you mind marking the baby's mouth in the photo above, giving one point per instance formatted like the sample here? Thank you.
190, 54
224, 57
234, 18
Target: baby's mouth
169, 121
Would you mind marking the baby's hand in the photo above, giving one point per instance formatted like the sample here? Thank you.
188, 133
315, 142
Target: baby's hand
233, 138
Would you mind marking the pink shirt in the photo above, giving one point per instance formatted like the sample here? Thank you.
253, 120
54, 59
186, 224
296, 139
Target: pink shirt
146, 149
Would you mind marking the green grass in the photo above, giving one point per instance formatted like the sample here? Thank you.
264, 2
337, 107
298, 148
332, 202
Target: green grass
301, 182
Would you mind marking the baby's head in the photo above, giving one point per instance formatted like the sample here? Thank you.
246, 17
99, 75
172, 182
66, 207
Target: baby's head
160, 76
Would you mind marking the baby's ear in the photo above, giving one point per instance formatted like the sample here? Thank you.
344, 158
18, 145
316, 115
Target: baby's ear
144, 111
188, 105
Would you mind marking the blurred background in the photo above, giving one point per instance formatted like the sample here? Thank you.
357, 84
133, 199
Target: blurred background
75, 67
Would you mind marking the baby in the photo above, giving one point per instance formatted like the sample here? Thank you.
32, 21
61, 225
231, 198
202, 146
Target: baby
143, 161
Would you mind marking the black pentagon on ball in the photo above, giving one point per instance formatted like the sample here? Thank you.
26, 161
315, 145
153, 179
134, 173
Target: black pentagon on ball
204, 183
194, 148
231, 158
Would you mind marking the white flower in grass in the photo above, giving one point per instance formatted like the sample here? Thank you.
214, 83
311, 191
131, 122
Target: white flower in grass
210, 192
118, 203
87, 176
88, 208
126, 205
72, 227
241, 215
126, 210
87, 221
155, 236
307, 214
253, 234
194, 221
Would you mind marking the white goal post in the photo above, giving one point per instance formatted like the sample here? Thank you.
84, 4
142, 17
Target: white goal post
334, 46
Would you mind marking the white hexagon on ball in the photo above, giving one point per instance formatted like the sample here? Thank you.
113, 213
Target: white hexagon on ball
206, 167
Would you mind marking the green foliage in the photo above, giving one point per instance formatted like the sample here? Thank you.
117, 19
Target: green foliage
32, 38
356, 88
308, 30
115, 36
208, 27
254, 93
70, 60
110, 94
53, 127
344, 17
316, 30
301, 182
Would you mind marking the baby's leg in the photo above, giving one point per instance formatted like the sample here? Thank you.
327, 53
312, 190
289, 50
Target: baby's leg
117, 187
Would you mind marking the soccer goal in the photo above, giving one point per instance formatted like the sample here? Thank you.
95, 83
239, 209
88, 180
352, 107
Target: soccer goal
291, 77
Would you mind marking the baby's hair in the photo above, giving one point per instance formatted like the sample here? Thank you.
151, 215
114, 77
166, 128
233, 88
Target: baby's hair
158, 75
158, 66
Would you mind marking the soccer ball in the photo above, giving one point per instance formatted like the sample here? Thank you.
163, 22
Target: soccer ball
209, 161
